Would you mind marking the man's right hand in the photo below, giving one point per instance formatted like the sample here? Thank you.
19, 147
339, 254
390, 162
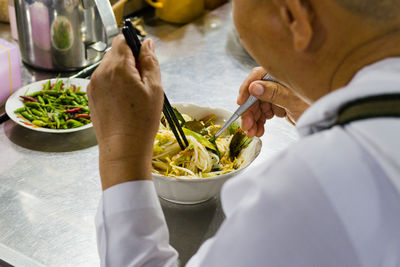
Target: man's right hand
125, 100
275, 100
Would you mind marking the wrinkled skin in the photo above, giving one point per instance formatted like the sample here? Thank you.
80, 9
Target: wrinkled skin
126, 104
274, 100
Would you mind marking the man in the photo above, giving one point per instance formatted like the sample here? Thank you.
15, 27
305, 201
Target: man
331, 199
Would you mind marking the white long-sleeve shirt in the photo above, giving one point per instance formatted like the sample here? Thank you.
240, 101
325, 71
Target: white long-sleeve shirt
331, 199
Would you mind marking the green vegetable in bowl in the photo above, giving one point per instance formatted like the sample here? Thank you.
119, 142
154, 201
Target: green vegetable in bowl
239, 141
56, 107
201, 139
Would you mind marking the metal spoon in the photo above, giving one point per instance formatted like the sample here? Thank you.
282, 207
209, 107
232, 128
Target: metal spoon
242, 109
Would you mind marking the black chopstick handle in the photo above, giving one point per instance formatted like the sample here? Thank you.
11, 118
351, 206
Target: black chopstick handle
128, 24
171, 124
169, 107
130, 41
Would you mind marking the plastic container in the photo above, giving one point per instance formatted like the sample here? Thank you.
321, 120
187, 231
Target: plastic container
10, 69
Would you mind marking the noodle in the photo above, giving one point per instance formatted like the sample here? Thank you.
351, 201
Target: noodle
197, 160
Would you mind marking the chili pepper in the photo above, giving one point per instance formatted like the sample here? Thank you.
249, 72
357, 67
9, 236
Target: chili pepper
49, 92
75, 96
73, 110
40, 99
35, 94
83, 100
58, 85
47, 85
45, 119
19, 110
57, 120
84, 116
27, 115
85, 121
28, 98
39, 123
73, 123
28, 109
77, 99
43, 110
32, 104
36, 112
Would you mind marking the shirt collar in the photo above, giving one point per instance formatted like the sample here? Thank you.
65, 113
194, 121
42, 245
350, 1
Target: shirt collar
382, 77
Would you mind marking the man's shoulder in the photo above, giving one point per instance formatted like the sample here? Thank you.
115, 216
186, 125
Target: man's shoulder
323, 162
327, 150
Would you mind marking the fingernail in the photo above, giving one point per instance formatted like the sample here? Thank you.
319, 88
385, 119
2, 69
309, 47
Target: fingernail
151, 45
257, 89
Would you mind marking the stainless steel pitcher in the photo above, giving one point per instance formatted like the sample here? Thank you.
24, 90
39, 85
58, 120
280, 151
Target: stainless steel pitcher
64, 35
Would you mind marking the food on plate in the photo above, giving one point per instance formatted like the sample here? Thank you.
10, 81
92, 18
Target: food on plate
56, 106
204, 157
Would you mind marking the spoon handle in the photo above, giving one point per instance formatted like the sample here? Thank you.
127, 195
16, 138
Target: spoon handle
243, 108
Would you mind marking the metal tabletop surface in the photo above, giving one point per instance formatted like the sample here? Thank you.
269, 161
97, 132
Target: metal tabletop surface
49, 183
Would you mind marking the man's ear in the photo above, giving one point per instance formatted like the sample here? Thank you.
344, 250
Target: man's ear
298, 16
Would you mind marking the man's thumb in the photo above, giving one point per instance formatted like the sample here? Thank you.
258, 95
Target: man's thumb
268, 91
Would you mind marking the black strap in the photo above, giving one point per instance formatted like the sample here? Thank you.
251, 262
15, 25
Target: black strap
370, 107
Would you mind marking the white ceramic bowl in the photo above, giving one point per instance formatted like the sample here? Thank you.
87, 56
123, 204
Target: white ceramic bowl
197, 190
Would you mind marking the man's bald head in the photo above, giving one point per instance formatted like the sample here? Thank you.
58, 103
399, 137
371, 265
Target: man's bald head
376, 9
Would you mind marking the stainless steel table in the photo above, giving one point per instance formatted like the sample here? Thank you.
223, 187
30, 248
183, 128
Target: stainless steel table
49, 183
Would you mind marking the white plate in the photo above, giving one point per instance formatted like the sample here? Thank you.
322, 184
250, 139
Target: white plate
14, 102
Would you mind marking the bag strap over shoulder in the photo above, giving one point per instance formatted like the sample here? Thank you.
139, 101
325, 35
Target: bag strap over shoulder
370, 107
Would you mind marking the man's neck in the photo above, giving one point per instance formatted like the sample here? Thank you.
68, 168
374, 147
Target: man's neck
373, 50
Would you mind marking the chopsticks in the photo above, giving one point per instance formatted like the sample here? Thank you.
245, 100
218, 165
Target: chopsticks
173, 122
134, 43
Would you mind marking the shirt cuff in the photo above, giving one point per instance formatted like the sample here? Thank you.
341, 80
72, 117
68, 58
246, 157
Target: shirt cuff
130, 196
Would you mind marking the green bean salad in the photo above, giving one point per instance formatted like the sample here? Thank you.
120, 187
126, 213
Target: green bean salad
56, 106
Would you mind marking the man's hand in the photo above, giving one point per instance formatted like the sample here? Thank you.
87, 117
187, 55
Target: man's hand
275, 100
125, 100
